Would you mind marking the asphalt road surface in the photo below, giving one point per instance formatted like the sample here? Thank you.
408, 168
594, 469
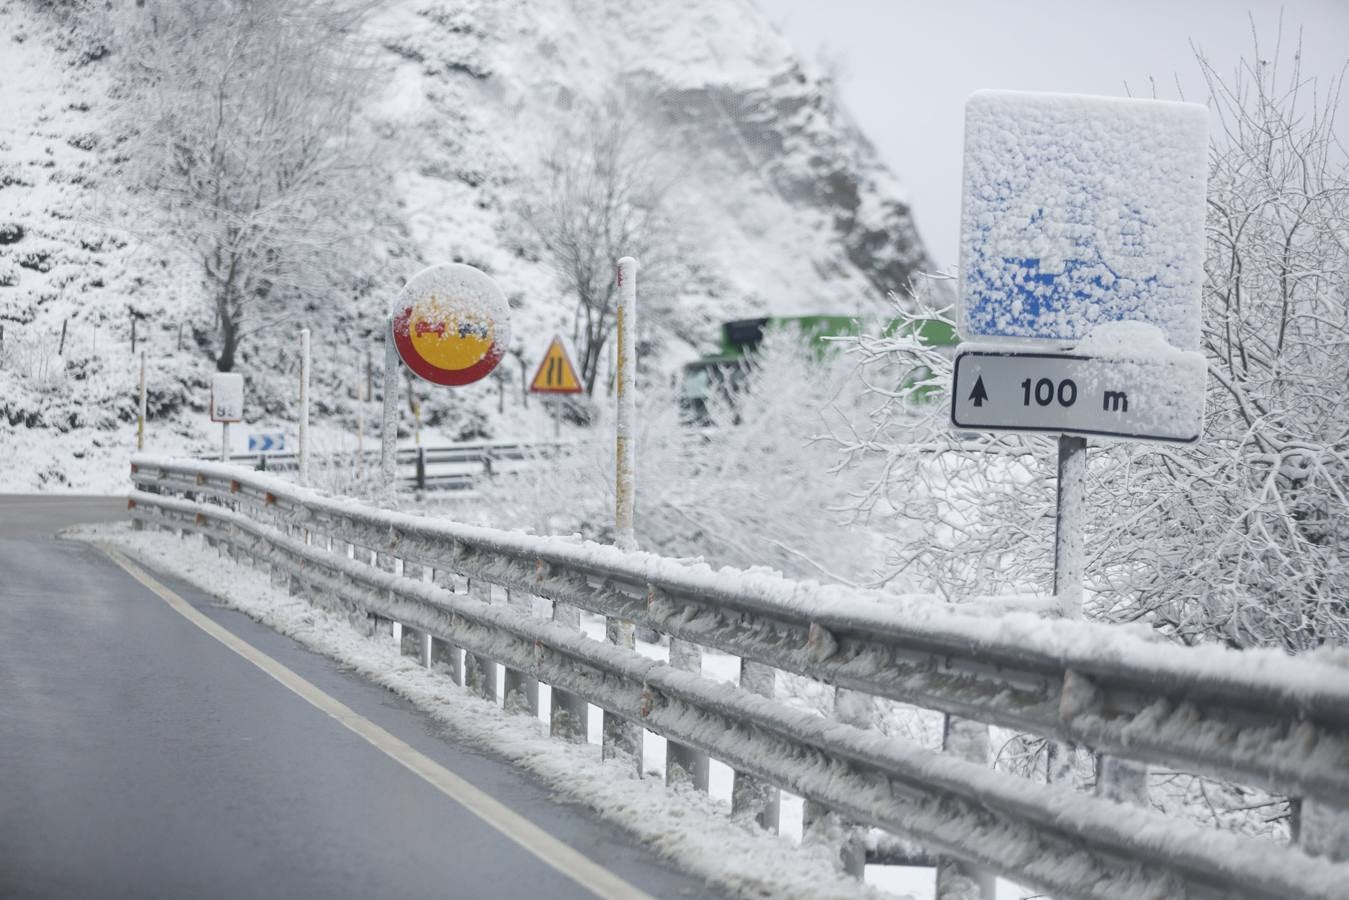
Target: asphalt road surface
143, 756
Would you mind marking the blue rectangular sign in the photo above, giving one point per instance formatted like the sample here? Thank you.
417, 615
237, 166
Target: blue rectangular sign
1081, 210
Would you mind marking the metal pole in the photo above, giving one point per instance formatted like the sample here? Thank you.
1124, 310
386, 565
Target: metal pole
140, 413
625, 536
388, 451
557, 418
622, 738
225, 442
1070, 525
361, 400
304, 406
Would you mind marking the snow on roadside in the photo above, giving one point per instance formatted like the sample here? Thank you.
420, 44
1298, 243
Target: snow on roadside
682, 825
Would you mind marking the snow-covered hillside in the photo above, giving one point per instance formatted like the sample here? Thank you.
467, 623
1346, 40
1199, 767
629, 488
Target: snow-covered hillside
784, 208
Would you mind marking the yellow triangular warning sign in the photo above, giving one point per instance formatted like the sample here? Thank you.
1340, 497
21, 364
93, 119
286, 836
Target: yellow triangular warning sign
556, 375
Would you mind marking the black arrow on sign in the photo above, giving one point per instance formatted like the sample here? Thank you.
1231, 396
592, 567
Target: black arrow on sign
979, 395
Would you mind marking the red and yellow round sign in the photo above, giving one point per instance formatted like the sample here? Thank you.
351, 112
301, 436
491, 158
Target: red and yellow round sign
451, 324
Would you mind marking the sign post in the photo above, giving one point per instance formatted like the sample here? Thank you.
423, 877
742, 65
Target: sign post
388, 435
1082, 252
227, 405
556, 376
304, 406
1081, 258
140, 407
623, 738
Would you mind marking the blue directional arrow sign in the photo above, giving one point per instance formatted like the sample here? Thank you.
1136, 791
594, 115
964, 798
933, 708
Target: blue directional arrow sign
268, 442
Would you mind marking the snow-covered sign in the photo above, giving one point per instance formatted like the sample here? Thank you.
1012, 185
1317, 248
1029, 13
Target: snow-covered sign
1080, 210
1116, 391
556, 374
1082, 233
451, 324
227, 397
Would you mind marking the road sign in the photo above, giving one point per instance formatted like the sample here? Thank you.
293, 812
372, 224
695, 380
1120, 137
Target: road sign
267, 442
1081, 210
451, 324
227, 397
1075, 394
556, 374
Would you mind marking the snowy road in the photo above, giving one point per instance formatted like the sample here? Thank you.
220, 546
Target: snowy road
141, 755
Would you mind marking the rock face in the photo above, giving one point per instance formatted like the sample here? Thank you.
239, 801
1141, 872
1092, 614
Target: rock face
794, 211
783, 208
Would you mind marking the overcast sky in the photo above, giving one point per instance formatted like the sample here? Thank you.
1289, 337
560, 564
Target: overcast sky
908, 65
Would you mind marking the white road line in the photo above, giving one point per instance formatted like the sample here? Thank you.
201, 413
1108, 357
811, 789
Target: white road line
576, 866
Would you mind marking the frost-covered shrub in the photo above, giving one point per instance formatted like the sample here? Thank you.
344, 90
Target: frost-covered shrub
752, 487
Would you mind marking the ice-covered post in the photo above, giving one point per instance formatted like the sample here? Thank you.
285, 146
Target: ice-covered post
388, 449
140, 406
681, 762
304, 406
1069, 530
1070, 525
958, 880
625, 536
752, 796
622, 738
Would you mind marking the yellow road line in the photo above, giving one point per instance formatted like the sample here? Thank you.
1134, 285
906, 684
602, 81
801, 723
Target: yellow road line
576, 866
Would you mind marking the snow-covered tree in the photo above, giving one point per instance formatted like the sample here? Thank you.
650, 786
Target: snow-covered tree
243, 130
603, 194
749, 485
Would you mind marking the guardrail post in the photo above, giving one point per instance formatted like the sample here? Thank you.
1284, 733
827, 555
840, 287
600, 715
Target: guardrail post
521, 691
1321, 830
684, 763
384, 562
411, 643
443, 652
818, 823
421, 469
958, 880
749, 795
1121, 780
480, 673
569, 717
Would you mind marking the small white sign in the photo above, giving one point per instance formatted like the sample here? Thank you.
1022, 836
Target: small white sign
227, 397
1160, 399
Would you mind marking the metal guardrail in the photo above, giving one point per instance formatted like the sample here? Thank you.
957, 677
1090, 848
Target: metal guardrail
449, 467
1257, 717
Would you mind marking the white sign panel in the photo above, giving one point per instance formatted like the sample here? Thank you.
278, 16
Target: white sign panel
1079, 211
227, 397
1159, 399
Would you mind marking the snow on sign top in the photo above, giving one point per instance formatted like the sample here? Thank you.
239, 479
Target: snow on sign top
1080, 210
